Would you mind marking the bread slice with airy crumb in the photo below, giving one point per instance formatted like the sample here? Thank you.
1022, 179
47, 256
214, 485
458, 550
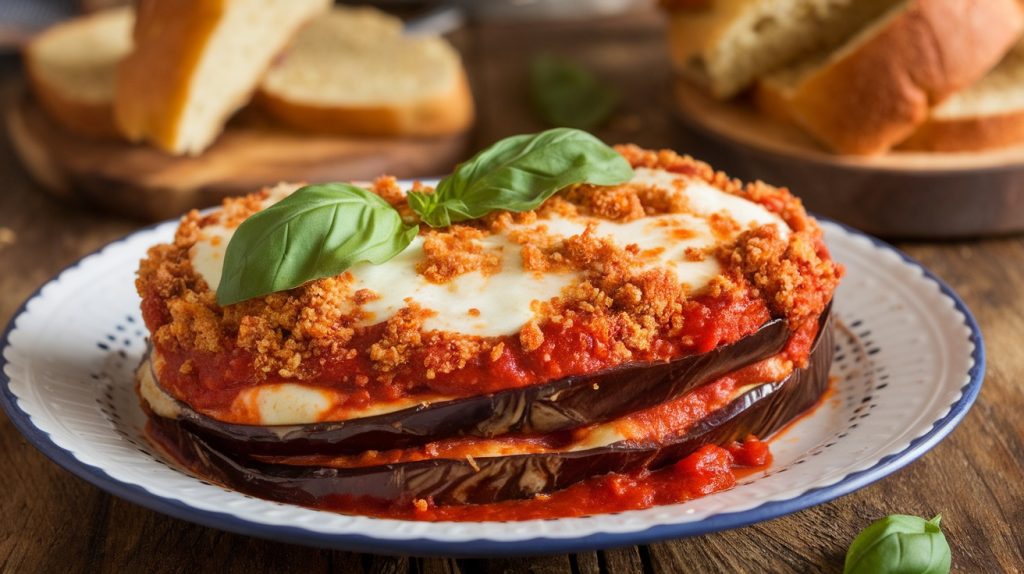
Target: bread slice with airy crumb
71, 69
351, 72
989, 114
195, 63
724, 45
878, 88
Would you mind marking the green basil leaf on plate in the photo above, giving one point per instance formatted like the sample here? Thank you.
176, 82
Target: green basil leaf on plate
318, 231
519, 173
899, 544
565, 94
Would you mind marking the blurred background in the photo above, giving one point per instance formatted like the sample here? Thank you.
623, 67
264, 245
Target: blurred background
727, 81
754, 87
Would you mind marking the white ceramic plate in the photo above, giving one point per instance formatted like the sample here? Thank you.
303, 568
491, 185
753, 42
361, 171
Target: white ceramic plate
909, 363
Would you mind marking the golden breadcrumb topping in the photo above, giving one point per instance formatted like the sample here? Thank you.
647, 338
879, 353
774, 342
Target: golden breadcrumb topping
619, 308
456, 251
792, 274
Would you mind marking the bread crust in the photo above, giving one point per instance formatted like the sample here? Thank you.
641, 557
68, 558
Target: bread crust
877, 93
90, 119
975, 133
445, 113
153, 81
771, 100
691, 30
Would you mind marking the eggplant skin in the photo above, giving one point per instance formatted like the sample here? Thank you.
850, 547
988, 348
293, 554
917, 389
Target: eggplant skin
760, 411
563, 404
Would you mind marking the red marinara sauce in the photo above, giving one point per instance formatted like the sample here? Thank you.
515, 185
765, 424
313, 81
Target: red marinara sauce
212, 380
708, 470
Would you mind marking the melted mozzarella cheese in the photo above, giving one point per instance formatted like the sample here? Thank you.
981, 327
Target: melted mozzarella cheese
501, 303
159, 401
285, 403
706, 200
666, 237
276, 403
208, 253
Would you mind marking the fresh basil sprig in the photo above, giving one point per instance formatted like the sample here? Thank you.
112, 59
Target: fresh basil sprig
518, 174
318, 231
899, 544
322, 230
567, 95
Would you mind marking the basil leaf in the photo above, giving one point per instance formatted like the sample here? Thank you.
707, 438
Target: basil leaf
318, 231
899, 544
518, 173
566, 94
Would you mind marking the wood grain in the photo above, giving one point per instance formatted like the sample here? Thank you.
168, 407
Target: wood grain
146, 183
55, 522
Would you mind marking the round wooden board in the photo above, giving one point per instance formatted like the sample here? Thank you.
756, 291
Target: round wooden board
897, 195
143, 182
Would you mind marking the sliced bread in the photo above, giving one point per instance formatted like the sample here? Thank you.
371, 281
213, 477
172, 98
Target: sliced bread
71, 69
773, 93
879, 87
724, 45
195, 63
989, 114
351, 72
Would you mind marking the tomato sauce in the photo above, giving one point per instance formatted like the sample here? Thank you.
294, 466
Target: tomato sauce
212, 380
652, 425
708, 470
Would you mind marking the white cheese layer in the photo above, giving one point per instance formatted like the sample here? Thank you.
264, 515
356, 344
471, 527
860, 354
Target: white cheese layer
275, 403
501, 300
501, 303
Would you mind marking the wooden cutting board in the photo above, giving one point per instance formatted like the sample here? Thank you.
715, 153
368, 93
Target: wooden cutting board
913, 195
143, 182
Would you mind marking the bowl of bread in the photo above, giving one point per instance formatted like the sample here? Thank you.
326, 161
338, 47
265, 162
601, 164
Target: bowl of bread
904, 118
158, 108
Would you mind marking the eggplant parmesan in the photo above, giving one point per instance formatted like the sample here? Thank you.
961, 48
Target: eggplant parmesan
616, 347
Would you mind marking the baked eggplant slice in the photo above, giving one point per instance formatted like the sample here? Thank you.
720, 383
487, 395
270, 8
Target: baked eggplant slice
760, 411
551, 407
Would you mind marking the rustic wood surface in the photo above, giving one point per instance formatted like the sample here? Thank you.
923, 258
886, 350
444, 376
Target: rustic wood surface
55, 522
142, 182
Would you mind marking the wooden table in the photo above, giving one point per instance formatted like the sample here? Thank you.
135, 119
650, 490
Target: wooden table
54, 522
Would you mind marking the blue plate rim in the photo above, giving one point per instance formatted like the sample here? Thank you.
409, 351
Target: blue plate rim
486, 547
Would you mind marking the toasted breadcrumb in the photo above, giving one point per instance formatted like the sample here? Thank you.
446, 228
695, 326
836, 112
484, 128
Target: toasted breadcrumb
623, 308
795, 277
454, 252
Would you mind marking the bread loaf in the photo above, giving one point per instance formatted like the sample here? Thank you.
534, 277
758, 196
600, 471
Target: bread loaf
195, 63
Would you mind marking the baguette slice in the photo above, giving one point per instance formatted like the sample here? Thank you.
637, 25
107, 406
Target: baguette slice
71, 69
351, 72
197, 62
724, 45
989, 114
878, 88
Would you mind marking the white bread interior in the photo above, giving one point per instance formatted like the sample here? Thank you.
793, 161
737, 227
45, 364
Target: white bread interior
71, 68
353, 72
196, 63
728, 44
